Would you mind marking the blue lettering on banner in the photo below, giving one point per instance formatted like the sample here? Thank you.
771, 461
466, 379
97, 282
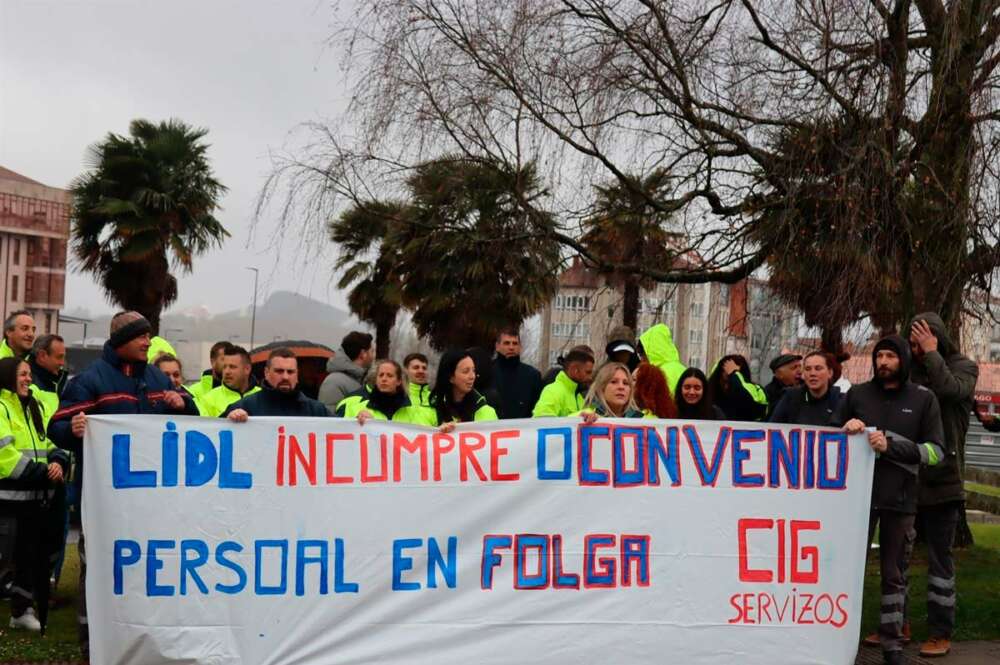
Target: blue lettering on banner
202, 461
190, 566
740, 455
491, 559
241, 575
126, 553
122, 475
623, 476
258, 586
784, 453
170, 445
567, 443
302, 559
589, 475
401, 564
668, 456
435, 562
339, 585
153, 564
839, 481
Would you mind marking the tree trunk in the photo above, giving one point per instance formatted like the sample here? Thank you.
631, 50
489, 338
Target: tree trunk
630, 306
383, 329
832, 340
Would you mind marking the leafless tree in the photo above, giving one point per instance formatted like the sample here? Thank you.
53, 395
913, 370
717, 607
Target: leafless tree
724, 95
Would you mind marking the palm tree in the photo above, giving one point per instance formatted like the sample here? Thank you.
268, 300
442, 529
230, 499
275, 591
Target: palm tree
472, 259
625, 228
146, 204
369, 261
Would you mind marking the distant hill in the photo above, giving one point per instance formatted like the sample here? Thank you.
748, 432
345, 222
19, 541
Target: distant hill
284, 315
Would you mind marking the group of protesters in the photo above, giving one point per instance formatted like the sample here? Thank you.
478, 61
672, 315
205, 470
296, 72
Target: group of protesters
915, 413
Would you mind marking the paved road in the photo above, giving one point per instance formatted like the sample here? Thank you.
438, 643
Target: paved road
962, 653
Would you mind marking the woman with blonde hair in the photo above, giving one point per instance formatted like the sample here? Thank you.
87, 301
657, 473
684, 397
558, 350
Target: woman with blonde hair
611, 395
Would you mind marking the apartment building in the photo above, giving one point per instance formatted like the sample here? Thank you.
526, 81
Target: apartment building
708, 321
34, 235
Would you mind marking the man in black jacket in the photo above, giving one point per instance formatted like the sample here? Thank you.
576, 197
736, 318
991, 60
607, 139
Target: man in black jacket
907, 434
279, 394
787, 374
816, 401
940, 367
519, 384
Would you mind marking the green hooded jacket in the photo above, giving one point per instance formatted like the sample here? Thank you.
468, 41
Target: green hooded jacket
952, 378
562, 397
414, 415
420, 394
5, 350
658, 345
213, 403
157, 347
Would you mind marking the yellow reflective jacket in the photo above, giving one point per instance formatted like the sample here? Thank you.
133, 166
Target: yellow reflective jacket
562, 397
24, 451
658, 345
217, 400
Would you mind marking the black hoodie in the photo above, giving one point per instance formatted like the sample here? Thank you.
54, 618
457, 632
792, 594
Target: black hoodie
519, 386
911, 419
952, 378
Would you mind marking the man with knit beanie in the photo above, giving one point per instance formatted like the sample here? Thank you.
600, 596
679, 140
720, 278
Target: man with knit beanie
904, 429
119, 382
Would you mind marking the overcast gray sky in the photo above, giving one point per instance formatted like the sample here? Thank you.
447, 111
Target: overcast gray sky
248, 70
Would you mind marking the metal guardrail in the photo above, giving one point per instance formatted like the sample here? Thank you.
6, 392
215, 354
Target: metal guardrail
982, 448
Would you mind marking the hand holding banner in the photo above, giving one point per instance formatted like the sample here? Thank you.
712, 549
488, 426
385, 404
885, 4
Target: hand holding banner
323, 541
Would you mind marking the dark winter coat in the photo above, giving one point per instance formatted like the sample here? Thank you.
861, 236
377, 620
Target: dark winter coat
519, 386
798, 406
111, 385
774, 391
271, 402
952, 378
911, 419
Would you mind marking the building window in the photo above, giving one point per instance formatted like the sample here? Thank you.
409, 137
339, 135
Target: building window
570, 330
697, 310
17, 251
695, 336
572, 303
48, 322
14, 288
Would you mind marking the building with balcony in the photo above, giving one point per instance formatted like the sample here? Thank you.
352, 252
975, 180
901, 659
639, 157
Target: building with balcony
34, 236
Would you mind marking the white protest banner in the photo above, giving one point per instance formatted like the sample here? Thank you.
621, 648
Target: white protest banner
536, 541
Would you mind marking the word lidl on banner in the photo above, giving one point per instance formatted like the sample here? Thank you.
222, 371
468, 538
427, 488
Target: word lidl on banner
321, 540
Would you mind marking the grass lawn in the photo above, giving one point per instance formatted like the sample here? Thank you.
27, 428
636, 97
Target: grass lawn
978, 602
983, 489
59, 643
978, 589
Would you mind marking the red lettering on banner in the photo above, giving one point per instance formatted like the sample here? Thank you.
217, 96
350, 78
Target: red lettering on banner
440, 450
467, 454
496, 452
307, 462
746, 574
280, 466
803, 609
366, 476
811, 552
785, 560
417, 445
331, 439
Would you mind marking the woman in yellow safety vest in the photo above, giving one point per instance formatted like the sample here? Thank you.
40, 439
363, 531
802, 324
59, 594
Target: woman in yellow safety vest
454, 398
389, 399
32, 469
